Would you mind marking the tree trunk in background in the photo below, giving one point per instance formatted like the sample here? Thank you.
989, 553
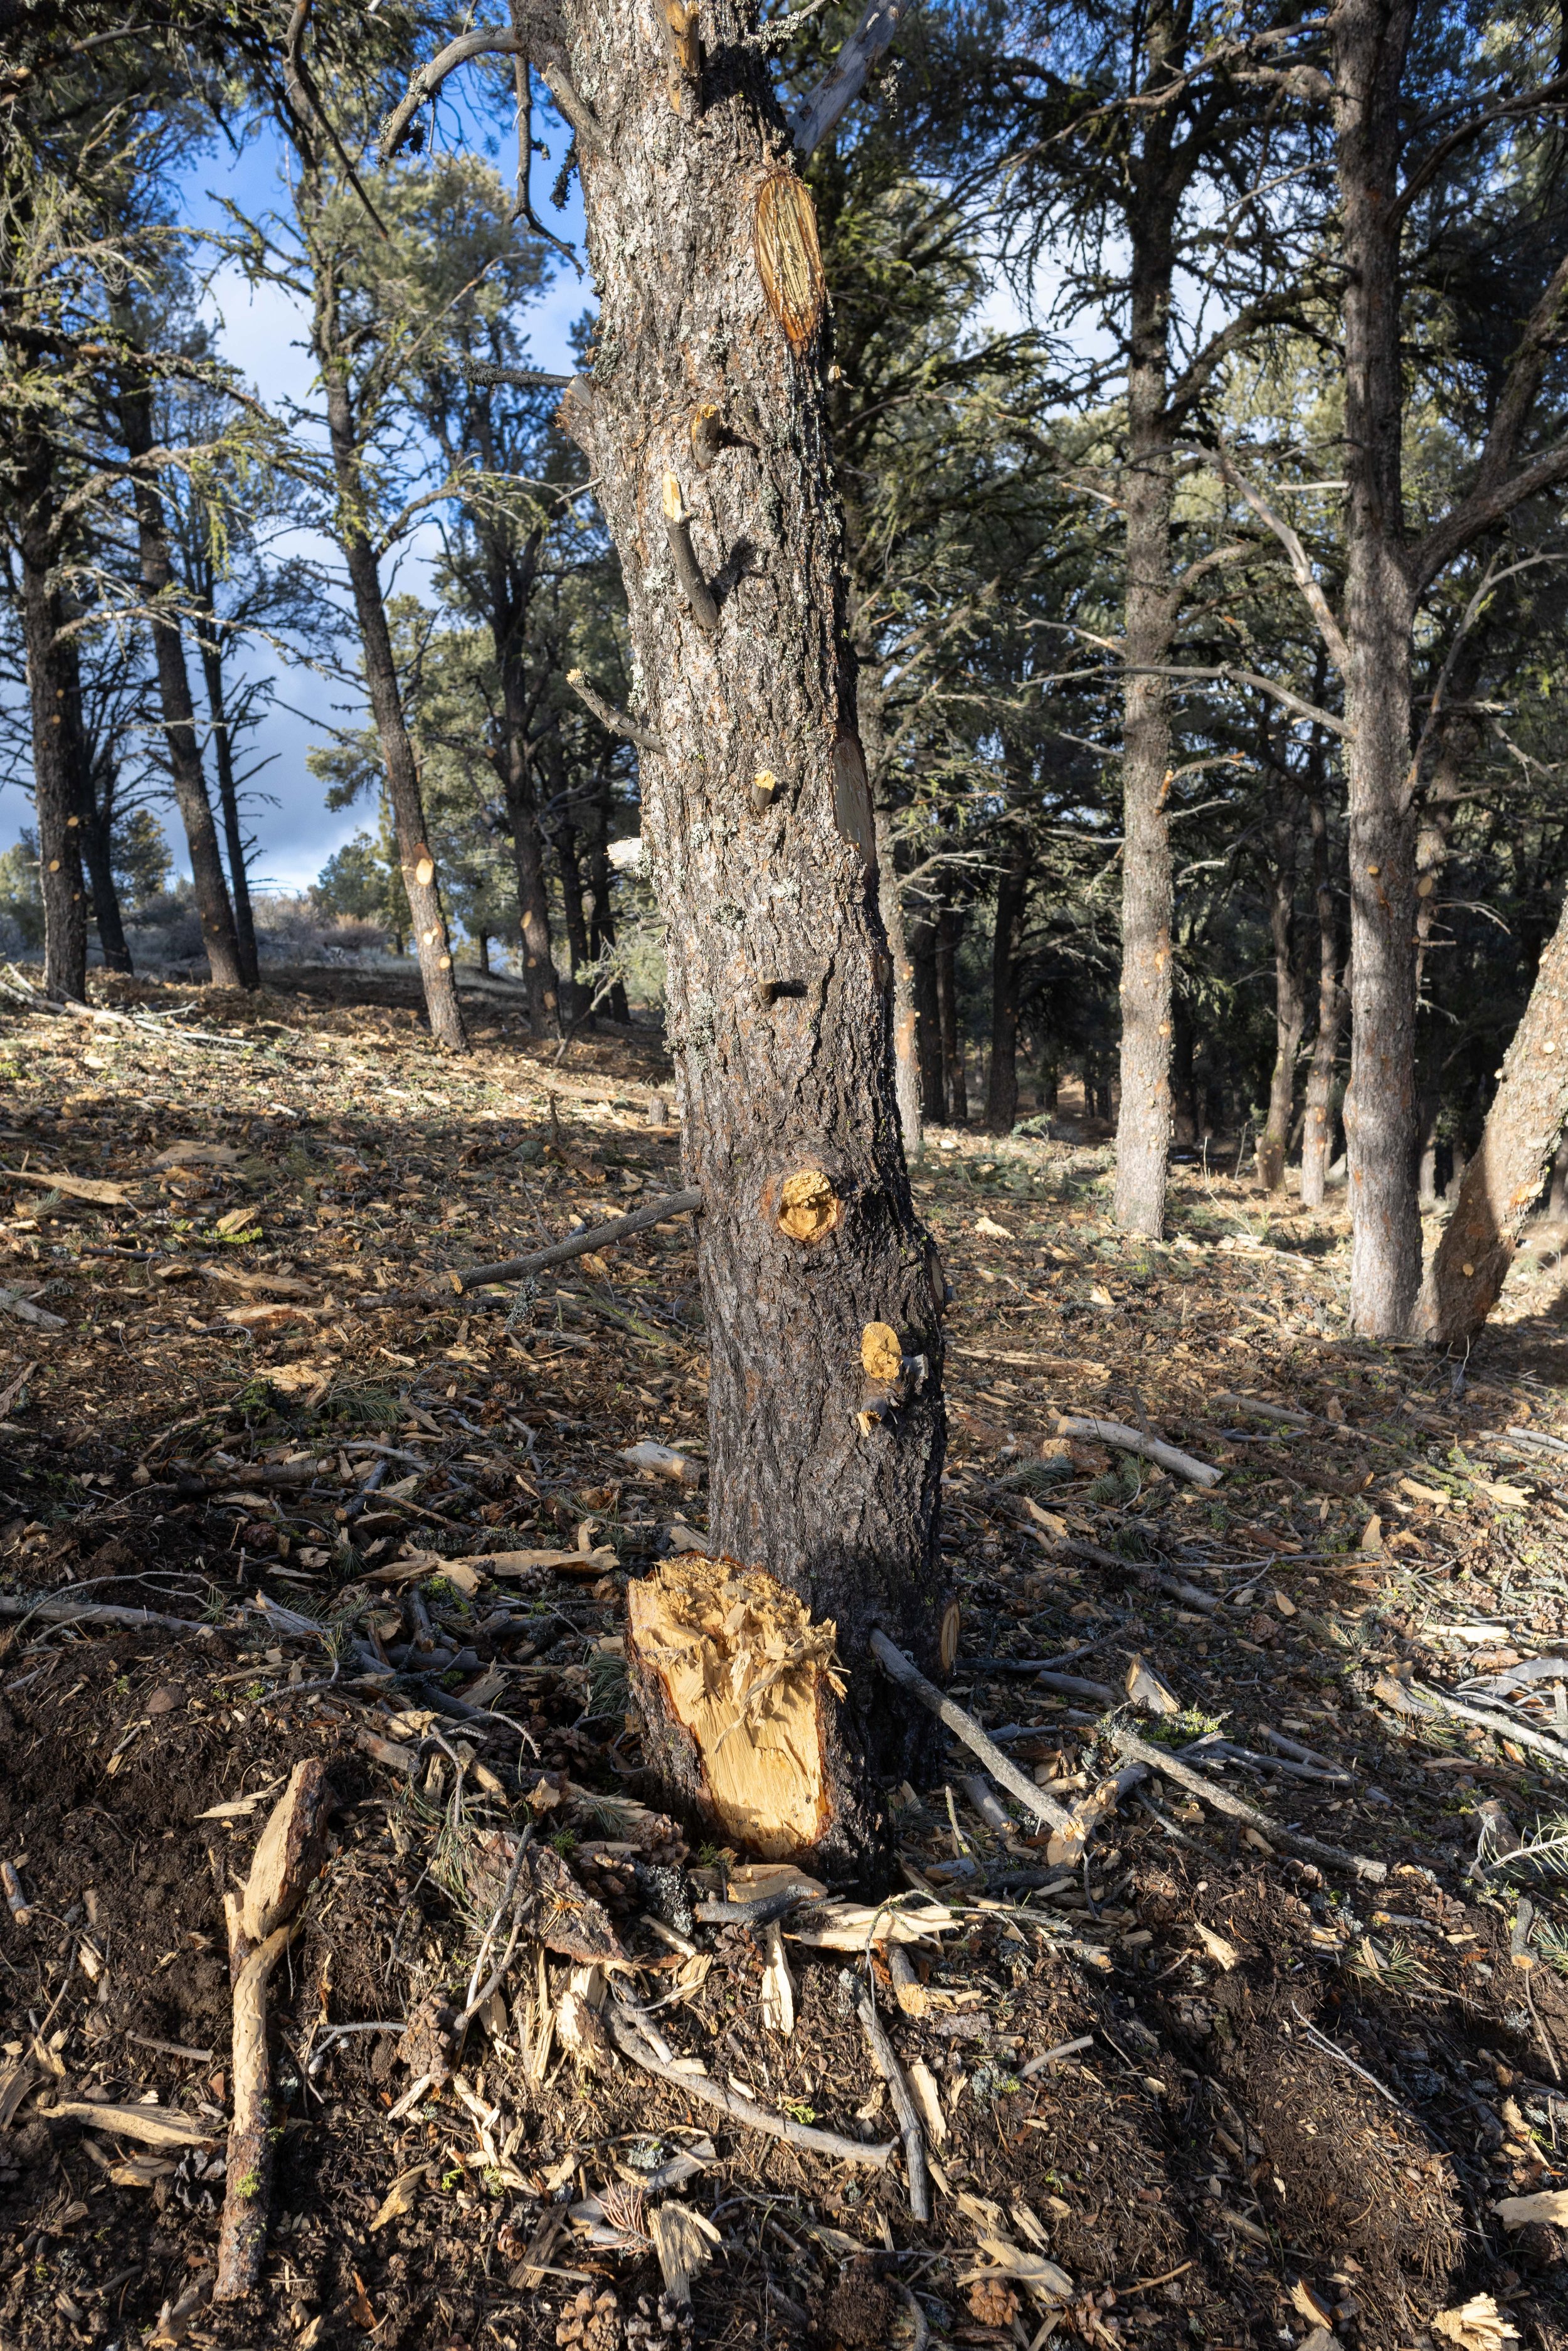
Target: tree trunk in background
93, 829
1144, 1119
906, 1024
601, 913
1012, 895
1369, 41
1439, 806
185, 750
228, 800
432, 944
818, 1282
1505, 1180
1183, 1089
920, 936
578, 994
510, 575
1317, 1136
54, 783
1290, 1007
955, 1083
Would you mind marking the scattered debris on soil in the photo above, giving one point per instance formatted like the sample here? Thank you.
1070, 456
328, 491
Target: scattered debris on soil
313, 1582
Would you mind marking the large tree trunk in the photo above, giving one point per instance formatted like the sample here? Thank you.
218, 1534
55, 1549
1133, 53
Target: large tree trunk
185, 750
1290, 1007
1012, 894
823, 1293
1369, 40
1317, 1134
432, 944
1144, 1115
228, 800
55, 787
1505, 1180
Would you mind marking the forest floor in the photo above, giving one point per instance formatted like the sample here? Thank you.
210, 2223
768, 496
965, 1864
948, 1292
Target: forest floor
1237, 2097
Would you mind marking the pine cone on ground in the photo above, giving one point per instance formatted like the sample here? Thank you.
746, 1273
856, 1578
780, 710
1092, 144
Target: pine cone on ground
660, 1840
665, 2326
587, 2324
992, 2302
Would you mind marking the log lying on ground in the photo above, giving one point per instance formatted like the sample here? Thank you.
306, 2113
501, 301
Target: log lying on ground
909, 1677
261, 1923
739, 1694
597, 1236
1133, 1440
1158, 1759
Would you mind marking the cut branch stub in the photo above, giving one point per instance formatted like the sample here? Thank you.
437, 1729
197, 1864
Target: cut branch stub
765, 790
708, 434
808, 1208
683, 48
881, 1353
788, 257
730, 1659
852, 797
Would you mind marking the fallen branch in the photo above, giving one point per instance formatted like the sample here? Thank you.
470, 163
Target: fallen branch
101, 1612
903, 2105
153, 2125
908, 1675
1133, 1440
287, 1861
597, 1236
1502, 1726
12, 1303
741, 2110
1160, 1760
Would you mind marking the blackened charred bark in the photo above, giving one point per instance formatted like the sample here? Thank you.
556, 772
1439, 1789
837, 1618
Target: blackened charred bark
54, 782
790, 1127
1012, 896
214, 907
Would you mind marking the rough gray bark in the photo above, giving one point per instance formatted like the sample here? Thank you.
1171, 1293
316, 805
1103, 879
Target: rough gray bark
778, 972
95, 809
1509, 1173
54, 782
1144, 1116
184, 751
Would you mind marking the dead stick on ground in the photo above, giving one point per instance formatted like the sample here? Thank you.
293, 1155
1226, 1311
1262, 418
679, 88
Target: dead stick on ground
598, 1237
898, 2090
243, 2241
741, 2110
899, 1668
287, 1858
1222, 1801
1133, 1440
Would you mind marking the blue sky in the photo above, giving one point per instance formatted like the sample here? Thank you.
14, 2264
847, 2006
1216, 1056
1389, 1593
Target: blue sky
262, 334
